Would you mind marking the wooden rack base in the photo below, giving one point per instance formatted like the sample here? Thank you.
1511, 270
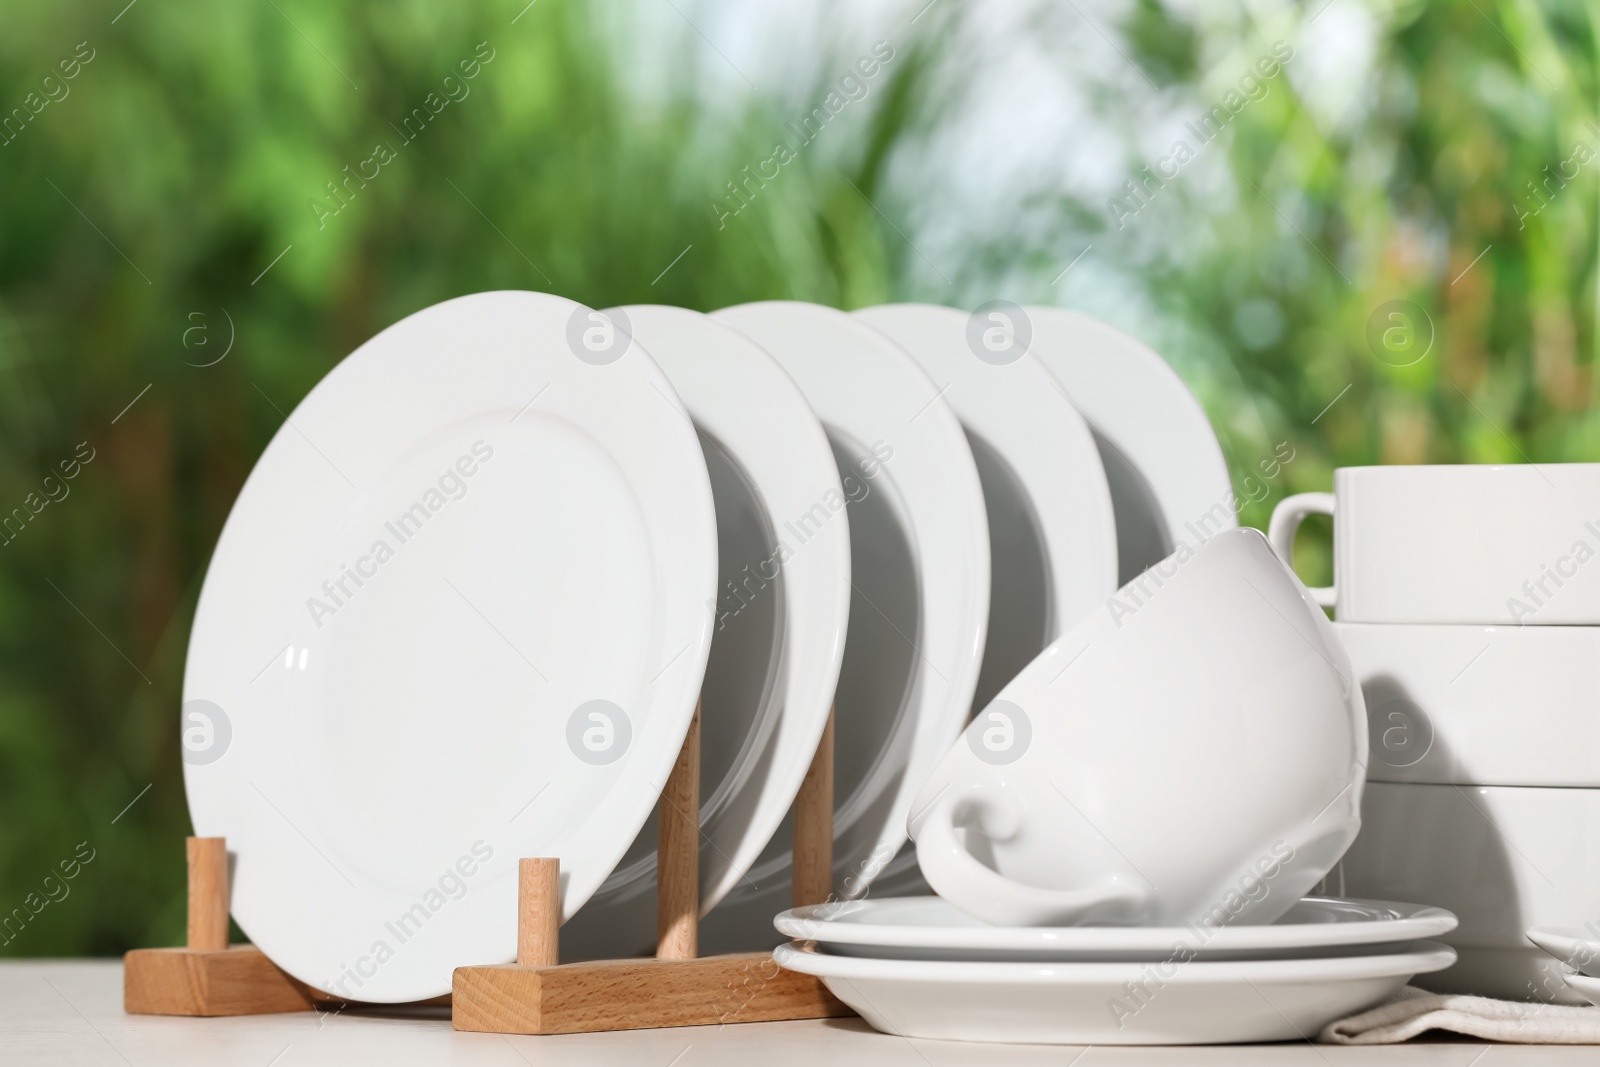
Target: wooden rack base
233, 981
537, 995
635, 994
208, 977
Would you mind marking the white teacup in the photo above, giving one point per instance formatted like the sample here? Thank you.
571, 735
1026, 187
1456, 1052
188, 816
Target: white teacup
1458, 544
1193, 752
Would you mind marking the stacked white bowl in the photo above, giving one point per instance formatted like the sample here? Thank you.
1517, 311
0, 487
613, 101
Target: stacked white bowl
1468, 598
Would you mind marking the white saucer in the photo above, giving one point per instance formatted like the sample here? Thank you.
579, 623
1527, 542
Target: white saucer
1168, 479
919, 547
1576, 947
928, 928
1170, 1002
1587, 987
780, 613
381, 734
1052, 530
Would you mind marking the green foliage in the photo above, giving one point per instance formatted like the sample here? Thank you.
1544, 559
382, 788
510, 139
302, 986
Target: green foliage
1460, 146
178, 196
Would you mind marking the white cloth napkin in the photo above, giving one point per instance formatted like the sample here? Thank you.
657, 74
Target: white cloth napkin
1414, 1010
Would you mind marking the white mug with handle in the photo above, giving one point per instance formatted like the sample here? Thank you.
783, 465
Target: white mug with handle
1193, 752
1471, 544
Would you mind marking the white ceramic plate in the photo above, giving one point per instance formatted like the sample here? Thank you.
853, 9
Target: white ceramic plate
934, 929
780, 616
1171, 1002
1576, 947
1503, 859
456, 617
1052, 531
1168, 479
1440, 699
919, 551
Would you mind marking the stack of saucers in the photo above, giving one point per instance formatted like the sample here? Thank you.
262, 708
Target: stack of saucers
1469, 603
1123, 839
921, 967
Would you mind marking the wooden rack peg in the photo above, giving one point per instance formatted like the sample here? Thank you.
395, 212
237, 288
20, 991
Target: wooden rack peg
813, 826
208, 893
539, 913
678, 854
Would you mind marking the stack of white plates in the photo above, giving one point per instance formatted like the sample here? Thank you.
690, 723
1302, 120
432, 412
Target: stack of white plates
919, 967
468, 600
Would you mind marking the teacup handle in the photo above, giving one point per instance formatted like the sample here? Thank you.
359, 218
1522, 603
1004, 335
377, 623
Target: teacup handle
1286, 519
954, 874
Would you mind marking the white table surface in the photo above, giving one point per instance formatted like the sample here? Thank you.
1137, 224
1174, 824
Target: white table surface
70, 1012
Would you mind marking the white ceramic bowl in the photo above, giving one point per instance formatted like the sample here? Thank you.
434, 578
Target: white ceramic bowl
1486, 705
1458, 543
1503, 859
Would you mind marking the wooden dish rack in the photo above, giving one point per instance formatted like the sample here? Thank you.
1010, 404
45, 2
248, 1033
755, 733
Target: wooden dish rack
537, 994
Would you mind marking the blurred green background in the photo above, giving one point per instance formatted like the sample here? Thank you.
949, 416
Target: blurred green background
174, 276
